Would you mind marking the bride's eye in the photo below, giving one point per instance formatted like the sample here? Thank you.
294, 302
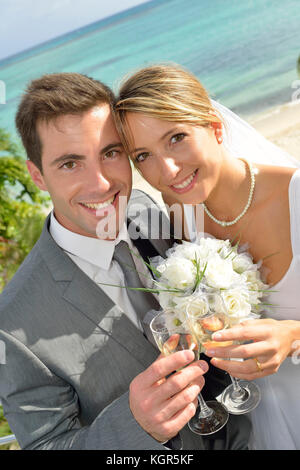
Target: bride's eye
111, 154
177, 138
141, 157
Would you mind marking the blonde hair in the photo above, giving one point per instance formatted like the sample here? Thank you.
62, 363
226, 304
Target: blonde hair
167, 92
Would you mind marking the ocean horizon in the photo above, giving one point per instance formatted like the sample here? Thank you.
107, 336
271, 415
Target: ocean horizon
244, 53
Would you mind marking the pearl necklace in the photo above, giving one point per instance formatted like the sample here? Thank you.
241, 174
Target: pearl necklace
232, 222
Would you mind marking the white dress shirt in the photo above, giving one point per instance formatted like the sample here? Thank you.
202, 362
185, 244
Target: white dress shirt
95, 258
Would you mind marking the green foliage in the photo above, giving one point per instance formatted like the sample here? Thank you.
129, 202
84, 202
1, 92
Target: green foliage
23, 208
4, 427
5, 431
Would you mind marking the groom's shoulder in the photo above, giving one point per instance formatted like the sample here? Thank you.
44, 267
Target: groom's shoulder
142, 203
139, 196
29, 285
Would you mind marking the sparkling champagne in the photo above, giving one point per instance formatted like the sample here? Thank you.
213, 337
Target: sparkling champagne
178, 342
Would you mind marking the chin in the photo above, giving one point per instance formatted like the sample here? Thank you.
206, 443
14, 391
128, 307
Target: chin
193, 197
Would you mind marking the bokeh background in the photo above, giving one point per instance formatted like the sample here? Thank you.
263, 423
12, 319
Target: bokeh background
244, 52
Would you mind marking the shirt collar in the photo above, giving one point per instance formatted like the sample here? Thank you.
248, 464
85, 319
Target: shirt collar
95, 251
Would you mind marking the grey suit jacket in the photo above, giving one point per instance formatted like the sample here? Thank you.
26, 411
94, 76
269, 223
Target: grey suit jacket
71, 354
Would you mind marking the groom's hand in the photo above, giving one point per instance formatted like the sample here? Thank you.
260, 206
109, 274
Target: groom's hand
163, 406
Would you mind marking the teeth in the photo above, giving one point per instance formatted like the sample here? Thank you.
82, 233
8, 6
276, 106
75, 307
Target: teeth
185, 183
99, 205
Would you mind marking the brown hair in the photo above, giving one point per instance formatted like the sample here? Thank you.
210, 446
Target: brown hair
163, 91
54, 95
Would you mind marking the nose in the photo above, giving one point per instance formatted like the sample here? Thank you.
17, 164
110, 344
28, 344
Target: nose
169, 169
97, 179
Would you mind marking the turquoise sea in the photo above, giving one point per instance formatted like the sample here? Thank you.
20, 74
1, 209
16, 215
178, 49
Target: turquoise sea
244, 52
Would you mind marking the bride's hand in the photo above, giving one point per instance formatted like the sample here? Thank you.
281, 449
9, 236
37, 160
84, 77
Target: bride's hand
273, 341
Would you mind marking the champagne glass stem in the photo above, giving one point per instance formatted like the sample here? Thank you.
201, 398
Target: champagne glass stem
205, 411
238, 391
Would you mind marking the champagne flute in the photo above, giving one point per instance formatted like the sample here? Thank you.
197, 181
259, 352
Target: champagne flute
241, 396
170, 338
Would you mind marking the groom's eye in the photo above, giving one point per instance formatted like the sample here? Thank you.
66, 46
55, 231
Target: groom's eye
69, 165
141, 157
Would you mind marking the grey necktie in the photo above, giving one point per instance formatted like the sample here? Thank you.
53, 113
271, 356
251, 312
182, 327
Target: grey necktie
143, 302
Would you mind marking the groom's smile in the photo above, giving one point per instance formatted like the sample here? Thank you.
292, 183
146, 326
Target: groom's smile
85, 169
101, 208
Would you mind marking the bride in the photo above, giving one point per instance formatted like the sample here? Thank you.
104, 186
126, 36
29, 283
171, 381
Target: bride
195, 152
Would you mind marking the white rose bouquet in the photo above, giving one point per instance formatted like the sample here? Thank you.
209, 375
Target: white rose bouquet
192, 271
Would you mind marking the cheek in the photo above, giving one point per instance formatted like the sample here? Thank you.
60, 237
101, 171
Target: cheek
124, 172
199, 153
149, 169
61, 191
151, 175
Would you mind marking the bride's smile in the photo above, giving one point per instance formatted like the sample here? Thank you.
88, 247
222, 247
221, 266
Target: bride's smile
186, 184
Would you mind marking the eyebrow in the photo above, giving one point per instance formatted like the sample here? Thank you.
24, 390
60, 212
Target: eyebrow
110, 146
161, 138
67, 156
74, 156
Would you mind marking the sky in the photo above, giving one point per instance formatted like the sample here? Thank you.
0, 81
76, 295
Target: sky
26, 23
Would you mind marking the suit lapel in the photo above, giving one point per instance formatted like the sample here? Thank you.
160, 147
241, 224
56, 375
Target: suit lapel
98, 308
91, 300
148, 227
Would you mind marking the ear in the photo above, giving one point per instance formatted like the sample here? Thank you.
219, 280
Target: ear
218, 130
36, 175
216, 125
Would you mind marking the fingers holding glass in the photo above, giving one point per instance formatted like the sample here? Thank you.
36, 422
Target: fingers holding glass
171, 337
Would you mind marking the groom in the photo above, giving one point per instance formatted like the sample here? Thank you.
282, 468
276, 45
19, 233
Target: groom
81, 371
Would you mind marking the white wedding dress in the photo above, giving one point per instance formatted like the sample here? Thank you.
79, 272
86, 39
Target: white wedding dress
276, 420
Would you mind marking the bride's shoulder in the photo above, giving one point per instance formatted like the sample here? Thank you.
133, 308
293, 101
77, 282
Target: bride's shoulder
275, 179
273, 171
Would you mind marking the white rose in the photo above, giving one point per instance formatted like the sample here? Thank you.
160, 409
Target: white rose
180, 273
242, 263
176, 324
237, 305
210, 246
227, 251
196, 305
165, 298
254, 281
255, 286
187, 250
219, 273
